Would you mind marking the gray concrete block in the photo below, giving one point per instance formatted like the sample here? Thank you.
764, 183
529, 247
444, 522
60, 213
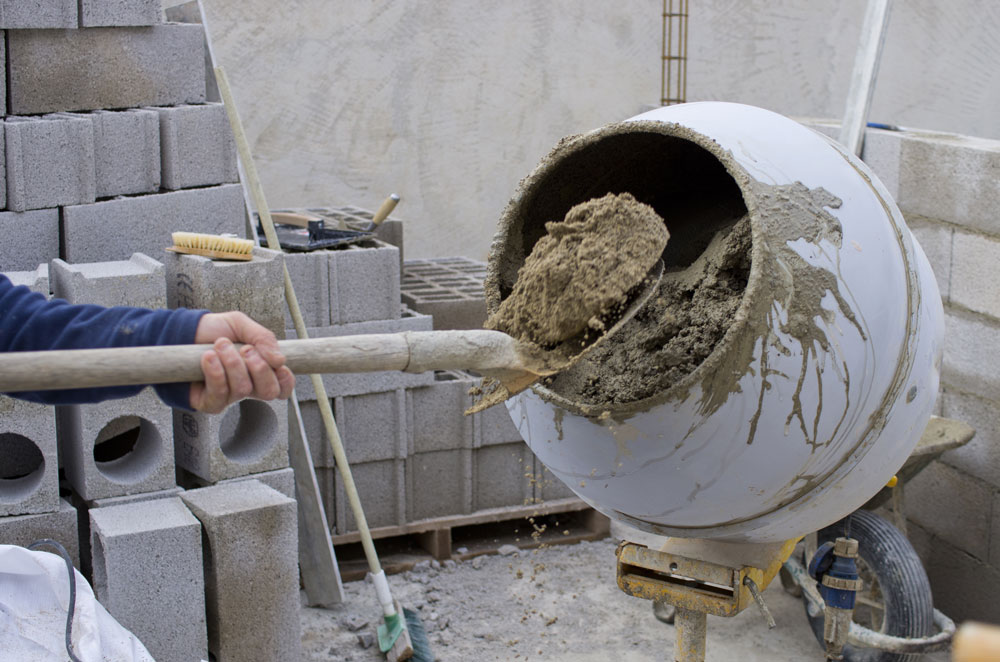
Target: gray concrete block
29, 238
546, 486
936, 241
3, 103
255, 287
382, 489
53, 70
366, 382
126, 152
439, 484
502, 476
119, 13
251, 571
364, 282
372, 426
197, 146
494, 426
135, 498
448, 289
310, 274
951, 178
147, 572
250, 437
29, 14
437, 420
953, 506
974, 280
29, 458
964, 587
966, 334
117, 447
50, 161
981, 456
115, 229
60, 525
36, 280
281, 480
139, 281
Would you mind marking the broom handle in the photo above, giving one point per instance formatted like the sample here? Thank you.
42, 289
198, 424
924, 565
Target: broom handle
411, 351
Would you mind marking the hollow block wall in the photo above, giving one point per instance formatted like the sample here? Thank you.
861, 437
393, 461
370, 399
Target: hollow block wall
948, 189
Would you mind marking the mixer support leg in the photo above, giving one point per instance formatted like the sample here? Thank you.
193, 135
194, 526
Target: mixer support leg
690, 627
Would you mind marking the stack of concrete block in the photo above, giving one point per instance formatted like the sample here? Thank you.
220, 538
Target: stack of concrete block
449, 289
116, 447
30, 504
250, 437
73, 144
948, 190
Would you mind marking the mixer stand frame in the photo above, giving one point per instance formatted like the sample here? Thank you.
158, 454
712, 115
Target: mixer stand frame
699, 577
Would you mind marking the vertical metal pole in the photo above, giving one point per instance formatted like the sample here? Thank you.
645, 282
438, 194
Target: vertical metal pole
859, 96
690, 627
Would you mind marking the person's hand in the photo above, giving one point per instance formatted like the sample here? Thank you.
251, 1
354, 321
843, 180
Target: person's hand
257, 370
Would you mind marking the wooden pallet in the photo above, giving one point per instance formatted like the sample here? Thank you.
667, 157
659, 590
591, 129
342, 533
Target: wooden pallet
462, 537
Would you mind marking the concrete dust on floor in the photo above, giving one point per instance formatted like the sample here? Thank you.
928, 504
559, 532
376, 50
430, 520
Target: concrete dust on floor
555, 603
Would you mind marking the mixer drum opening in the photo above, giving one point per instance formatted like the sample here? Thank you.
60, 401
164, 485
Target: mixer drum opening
818, 342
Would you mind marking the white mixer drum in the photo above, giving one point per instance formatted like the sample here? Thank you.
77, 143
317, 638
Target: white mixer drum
824, 372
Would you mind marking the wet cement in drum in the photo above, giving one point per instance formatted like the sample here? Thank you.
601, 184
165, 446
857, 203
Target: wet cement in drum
673, 334
581, 270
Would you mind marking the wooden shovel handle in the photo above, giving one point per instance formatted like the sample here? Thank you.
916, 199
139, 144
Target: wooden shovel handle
487, 352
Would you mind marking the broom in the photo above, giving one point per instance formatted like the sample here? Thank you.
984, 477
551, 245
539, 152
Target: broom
402, 636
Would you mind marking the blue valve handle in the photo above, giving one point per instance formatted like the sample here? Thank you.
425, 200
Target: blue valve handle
841, 570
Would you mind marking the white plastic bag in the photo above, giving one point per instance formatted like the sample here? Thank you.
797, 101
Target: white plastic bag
34, 599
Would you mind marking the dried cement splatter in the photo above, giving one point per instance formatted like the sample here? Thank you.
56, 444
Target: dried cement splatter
582, 269
673, 334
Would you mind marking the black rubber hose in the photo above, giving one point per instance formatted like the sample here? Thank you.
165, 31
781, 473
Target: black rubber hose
72, 590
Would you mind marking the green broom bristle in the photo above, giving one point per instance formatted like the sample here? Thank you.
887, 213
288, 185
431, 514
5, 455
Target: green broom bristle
418, 637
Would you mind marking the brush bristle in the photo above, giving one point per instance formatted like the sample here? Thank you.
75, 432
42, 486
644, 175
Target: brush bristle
418, 637
212, 242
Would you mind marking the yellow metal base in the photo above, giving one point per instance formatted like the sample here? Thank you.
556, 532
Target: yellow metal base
695, 584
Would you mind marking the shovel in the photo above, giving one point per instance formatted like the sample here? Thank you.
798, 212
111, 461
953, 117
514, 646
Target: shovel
514, 364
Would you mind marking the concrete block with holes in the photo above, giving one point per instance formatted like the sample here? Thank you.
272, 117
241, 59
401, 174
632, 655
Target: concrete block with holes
138, 281
147, 572
250, 437
366, 382
502, 476
56, 70
364, 282
29, 238
117, 447
372, 427
36, 280
310, 274
439, 483
37, 14
197, 146
60, 525
29, 460
449, 289
116, 13
50, 161
251, 532
115, 229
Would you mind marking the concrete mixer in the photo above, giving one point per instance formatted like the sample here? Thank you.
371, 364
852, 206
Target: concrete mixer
787, 374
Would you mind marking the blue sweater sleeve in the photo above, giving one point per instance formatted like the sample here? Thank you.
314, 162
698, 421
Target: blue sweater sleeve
30, 322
